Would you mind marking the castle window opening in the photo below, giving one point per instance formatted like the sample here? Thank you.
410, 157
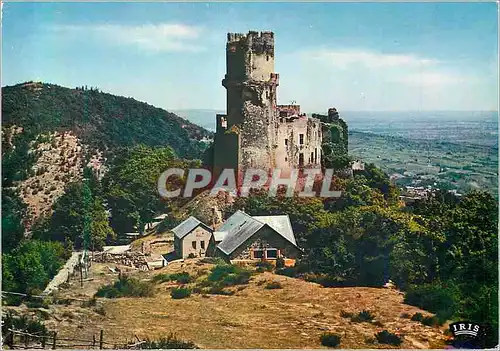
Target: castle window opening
312, 157
202, 244
267, 57
286, 159
301, 139
286, 142
315, 155
193, 244
301, 159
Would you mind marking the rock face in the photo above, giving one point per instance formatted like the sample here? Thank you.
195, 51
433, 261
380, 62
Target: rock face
60, 160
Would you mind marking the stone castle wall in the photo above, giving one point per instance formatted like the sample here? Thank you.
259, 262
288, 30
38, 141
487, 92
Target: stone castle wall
263, 134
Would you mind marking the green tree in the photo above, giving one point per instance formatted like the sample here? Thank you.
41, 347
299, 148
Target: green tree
131, 185
71, 213
100, 229
13, 212
28, 268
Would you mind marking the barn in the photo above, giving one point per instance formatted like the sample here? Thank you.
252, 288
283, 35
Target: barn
248, 237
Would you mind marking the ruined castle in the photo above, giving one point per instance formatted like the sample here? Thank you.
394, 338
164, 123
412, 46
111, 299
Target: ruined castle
256, 132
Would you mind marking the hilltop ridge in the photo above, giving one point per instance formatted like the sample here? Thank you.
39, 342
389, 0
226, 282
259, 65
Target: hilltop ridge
100, 119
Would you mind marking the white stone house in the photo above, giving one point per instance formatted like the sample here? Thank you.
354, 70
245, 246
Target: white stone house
191, 238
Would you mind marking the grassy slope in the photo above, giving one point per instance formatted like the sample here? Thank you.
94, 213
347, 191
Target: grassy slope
292, 317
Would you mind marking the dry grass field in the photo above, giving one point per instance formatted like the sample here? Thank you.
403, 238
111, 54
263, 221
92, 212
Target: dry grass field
294, 316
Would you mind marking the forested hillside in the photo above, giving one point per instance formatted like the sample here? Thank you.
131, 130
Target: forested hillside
101, 120
50, 133
57, 146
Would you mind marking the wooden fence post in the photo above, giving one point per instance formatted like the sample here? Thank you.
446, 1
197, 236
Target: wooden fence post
101, 337
81, 275
54, 337
10, 340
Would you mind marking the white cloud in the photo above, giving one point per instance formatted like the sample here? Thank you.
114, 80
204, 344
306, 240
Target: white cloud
366, 79
346, 58
149, 37
432, 79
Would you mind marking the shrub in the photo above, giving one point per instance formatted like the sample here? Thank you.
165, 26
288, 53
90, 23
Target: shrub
345, 314
363, 316
126, 287
432, 321
228, 275
440, 298
280, 263
217, 290
287, 271
90, 303
326, 280
273, 285
182, 278
405, 315
417, 317
37, 303
330, 340
180, 293
100, 310
213, 260
161, 278
191, 255
23, 323
63, 301
385, 337
170, 342
264, 266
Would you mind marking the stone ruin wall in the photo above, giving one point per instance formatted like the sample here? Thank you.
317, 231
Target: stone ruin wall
253, 133
288, 149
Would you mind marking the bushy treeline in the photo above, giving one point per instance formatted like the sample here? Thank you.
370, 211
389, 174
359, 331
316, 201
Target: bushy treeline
125, 201
442, 252
30, 266
100, 119
78, 211
131, 185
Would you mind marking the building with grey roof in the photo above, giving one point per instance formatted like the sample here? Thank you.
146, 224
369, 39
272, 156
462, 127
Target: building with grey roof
257, 237
191, 238
241, 237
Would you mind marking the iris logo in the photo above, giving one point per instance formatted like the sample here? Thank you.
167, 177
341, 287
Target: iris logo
465, 328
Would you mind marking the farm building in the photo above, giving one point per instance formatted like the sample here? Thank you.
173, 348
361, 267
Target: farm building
241, 237
258, 237
191, 238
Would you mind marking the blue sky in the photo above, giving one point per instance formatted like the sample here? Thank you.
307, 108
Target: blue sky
354, 56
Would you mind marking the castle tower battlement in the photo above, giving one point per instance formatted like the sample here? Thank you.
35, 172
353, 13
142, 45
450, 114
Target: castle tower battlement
249, 135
